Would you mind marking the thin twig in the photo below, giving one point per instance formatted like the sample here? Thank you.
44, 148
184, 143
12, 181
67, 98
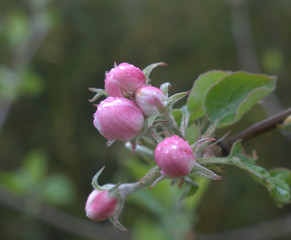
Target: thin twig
256, 129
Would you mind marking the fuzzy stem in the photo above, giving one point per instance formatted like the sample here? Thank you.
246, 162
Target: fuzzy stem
173, 125
126, 189
141, 150
216, 160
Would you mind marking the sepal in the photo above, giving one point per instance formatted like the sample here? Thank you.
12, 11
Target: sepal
99, 93
165, 88
200, 144
175, 98
203, 171
94, 183
151, 120
107, 187
115, 218
147, 70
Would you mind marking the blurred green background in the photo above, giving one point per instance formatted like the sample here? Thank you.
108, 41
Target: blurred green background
52, 51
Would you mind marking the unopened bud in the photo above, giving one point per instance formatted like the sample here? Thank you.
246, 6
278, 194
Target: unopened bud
175, 157
118, 119
100, 205
123, 79
150, 100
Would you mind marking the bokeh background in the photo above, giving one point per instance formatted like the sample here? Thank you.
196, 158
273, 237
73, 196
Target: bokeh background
52, 51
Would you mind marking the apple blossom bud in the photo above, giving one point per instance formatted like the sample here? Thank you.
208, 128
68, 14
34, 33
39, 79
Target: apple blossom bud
175, 157
150, 100
123, 79
118, 119
100, 205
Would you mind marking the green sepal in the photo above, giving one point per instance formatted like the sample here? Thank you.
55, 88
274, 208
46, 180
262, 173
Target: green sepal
203, 171
94, 183
175, 98
115, 218
151, 120
165, 88
147, 71
99, 93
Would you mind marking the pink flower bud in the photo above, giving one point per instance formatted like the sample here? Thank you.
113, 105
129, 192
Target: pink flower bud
123, 79
118, 119
100, 205
175, 157
150, 100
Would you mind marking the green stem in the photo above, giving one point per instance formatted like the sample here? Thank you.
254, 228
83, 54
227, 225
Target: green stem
214, 160
141, 150
126, 189
172, 124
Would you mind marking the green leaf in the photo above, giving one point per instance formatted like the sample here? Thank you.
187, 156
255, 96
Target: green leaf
192, 133
282, 173
237, 154
229, 99
280, 191
276, 181
177, 114
200, 88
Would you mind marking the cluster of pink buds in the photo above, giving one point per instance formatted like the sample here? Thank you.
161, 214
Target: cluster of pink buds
140, 113
121, 115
